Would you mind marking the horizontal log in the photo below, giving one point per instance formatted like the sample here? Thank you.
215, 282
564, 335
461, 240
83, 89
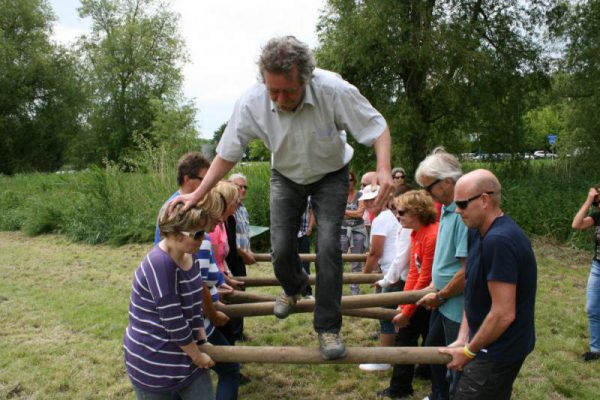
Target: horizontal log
348, 277
381, 313
362, 257
311, 355
308, 305
239, 297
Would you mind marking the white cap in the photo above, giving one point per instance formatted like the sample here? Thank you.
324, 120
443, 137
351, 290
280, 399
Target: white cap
368, 192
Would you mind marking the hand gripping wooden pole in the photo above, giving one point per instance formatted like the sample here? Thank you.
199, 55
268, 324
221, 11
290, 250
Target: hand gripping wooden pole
312, 355
308, 305
349, 277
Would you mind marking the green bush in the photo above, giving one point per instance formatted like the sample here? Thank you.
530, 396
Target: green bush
107, 205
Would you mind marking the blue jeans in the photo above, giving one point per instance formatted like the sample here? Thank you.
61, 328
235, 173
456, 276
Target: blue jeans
199, 389
387, 327
288, 203
442, 332
592, 305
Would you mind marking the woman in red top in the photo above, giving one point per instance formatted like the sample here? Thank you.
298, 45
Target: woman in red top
415, 210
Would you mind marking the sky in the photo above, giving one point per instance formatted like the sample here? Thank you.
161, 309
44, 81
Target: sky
223, 40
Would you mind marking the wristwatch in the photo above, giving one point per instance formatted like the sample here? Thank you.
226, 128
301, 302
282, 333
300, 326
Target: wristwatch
439, 298
201, 342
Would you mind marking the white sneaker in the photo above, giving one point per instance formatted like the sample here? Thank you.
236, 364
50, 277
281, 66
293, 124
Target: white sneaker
374, 367
426, 398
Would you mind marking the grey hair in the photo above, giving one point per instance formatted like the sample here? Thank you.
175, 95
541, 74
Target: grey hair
237, 175
281, 54
439, 165
398, 169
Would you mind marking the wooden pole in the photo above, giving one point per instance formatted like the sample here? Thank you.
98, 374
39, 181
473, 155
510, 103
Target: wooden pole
348, 303
349, 277
362, 257
239, 297
311, 355
381, 313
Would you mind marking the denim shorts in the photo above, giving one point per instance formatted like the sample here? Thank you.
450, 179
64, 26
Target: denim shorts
387, 327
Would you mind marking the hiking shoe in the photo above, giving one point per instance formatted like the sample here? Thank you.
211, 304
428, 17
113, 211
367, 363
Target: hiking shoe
331, 346
374, 367
284, 305
388, 394
591, 356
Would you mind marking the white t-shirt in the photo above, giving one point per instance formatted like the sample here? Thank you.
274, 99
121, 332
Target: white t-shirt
386, 224
401, 264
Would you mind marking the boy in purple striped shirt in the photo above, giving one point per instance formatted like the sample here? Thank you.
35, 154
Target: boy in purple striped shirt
165, 315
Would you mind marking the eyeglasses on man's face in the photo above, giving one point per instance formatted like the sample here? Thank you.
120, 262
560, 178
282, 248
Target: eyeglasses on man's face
242, 187
196, 177
197, 235
398, 176
463, 204
429, 187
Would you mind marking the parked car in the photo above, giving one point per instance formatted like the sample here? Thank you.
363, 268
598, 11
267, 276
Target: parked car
543, 154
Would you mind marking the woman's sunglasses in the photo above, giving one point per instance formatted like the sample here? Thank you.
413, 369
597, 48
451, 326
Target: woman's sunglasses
196, 235
401, 212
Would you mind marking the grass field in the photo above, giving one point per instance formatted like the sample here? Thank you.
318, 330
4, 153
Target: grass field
63, 310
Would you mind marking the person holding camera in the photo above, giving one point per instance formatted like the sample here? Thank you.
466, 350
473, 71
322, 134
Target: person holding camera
592, 305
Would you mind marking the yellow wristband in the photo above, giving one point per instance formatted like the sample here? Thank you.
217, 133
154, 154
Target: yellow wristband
469, 353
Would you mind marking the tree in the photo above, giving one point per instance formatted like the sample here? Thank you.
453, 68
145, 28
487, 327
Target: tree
439, 71
134, 56
576, 86
41, 97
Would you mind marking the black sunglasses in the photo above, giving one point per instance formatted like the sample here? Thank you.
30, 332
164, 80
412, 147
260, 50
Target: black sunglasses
196, 235
430, 187
196, 177
400, 212
245, 187
399, 177
463, 204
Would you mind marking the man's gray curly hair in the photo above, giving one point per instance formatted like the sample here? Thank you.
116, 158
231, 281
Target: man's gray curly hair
281, 54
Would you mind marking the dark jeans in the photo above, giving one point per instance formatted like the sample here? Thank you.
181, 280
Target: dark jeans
228, 373
442, 332
402, 375
288, 202
304, 247
484, 380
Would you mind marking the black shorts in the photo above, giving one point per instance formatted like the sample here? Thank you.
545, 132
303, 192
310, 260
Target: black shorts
484, 379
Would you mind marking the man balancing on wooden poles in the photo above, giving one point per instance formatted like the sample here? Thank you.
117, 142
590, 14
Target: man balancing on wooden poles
302, 114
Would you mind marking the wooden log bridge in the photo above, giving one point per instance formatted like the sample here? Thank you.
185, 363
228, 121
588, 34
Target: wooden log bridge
349, 277
308, 305
239, 297
311, 355
313, 257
